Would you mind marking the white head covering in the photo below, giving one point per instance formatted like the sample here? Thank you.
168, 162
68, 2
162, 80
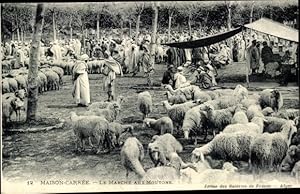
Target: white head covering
84, 57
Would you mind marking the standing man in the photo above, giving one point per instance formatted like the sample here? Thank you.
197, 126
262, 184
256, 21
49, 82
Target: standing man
266, 54
253, 57
81, 88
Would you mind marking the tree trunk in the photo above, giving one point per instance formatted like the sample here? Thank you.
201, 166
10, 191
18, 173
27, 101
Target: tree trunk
18, 34
229, 17
189, 23
98, 28
137, 28
54, 26
71, 32
153, 39
22, 36
13, 36
34, 63
130, 28
169, 28
251, 13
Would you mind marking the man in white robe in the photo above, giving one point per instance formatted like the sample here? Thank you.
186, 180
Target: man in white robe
81, 88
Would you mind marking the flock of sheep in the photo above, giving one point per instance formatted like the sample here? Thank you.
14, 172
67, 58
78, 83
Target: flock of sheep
253, 129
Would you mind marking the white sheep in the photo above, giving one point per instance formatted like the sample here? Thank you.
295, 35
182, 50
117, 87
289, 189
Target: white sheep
90, 127
296, 171
240, 92
239, 116
251, 100
162, 125
256, 125
254, 111
271, 98
194, 120
269, 149
145, 103
102, 105
226, 146
162, 147
290, 113
268, 111
176, 99
219, 119
110, 113
177, 111
132, 154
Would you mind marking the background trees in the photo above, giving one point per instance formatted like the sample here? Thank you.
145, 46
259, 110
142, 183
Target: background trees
69, 19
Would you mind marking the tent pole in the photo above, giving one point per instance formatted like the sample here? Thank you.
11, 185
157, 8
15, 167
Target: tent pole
246, 64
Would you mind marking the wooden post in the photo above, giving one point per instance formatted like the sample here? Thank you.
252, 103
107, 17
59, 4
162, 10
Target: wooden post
34, 63
54, 27
137, 28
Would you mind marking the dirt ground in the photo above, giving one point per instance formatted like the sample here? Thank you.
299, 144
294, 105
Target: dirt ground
50, 154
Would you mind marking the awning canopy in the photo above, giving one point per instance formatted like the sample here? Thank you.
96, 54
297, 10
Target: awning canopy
274, 28
206, 41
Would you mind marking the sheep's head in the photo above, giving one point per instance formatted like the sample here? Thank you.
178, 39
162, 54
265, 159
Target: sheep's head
17, 104
168, 87
268, 111
209, 108
293, 150
146, 122
227, 166
197, 155
154, 152
21, 94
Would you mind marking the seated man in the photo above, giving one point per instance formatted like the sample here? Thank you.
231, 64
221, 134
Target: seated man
180, 80
168, 77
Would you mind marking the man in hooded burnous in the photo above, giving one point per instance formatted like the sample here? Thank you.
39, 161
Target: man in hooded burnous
81, 88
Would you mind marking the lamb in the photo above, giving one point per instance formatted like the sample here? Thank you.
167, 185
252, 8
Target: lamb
102, 105
145, 103
132, 154
177, 112
254, 111
273, 124
239, 116
118, 130
296, 171
90, 127
268, 111
194, 120
219, 119
110, 113
13, 84
271, 98
227, 146
162, 125
256, 125
269, 149
176, 99
161, 148
52, 79
292, 156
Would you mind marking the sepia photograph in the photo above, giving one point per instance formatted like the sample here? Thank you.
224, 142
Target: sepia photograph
149, 96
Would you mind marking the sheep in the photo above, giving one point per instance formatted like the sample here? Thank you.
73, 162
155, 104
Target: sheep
177, 112
13, 84
287, 114
256, 125
21, 82
5, 86
227, 146
110, 113
161, 148
132, 154
191, 92
21, 94
44, 81
269, 149
60, 73
251, 100
176, 99
145, 103
239, 116
194, 120
213, 103
52, 79
296, 137
271, 98
10, 105
213, 95
162, 125
219, 119
273, 124
240, 92
171, 172
102, 105
200, 95
118, 130
254, 111
268, 111
292, 156
90, 127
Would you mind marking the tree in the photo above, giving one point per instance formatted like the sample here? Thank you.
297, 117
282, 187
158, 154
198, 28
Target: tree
171, 9
34, 63
139, 11
153, 38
